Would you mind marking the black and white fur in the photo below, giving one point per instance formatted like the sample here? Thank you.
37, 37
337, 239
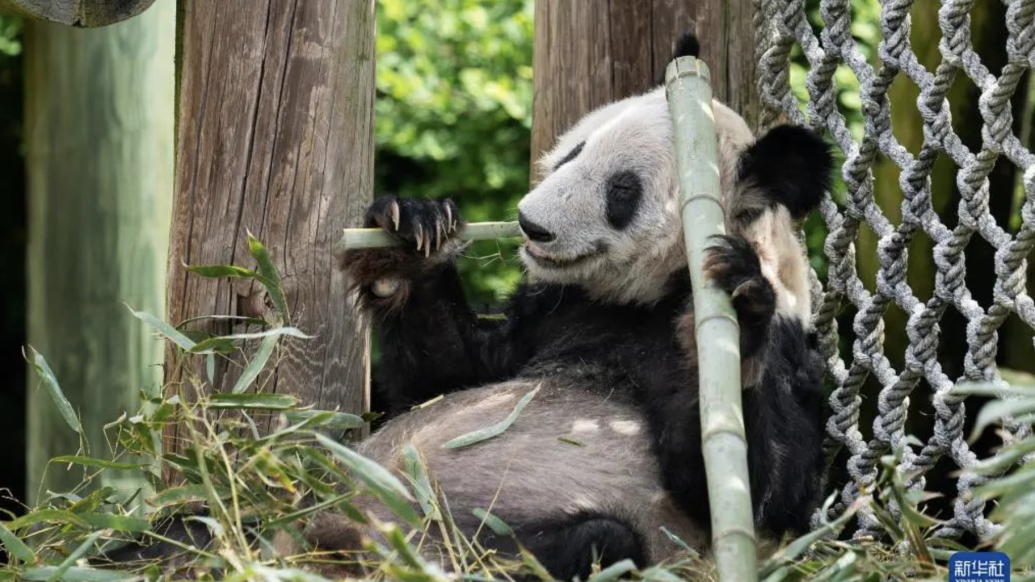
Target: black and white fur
604, 328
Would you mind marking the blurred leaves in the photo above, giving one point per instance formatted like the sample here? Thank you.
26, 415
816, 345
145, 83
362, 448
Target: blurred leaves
454, 82
10, 35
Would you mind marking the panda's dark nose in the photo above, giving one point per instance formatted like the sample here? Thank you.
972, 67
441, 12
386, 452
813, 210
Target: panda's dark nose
533, 231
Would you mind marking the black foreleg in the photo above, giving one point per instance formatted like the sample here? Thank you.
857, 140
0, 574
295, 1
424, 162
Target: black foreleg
431, 342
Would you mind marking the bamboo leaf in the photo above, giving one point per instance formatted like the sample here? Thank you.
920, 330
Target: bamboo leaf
241, 319
659, 574
998, 410
614, 571
214, 527
210, 368
39, 363
494, 430
91, 501
213, 345
381, 482
367, 470
220, 343
337, 502
170, 332
126, 523
258, 363
679, 542
417, 474
79, 552
994, 390
222, 271
252, 401
15, 546
76, 574
271, 279
333, 420
92, 462
497, 525
46, 515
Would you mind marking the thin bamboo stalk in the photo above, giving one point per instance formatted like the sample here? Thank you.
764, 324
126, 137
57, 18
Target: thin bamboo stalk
368, 238
718, 334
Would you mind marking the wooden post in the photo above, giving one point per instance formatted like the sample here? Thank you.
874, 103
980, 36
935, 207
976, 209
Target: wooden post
99, 156
275, 137
589, 53
79, 13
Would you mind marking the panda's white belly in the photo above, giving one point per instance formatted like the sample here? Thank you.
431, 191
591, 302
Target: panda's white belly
570, 451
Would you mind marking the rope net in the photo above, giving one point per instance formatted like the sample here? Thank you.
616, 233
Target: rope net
780, 24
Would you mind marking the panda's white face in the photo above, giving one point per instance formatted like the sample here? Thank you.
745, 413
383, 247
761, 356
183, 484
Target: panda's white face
606, 213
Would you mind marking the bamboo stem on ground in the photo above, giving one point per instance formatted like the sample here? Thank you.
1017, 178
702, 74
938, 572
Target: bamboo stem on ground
369, 238
718, 334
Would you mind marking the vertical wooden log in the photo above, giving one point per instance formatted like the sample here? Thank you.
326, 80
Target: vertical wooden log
588, 53
275, 137
99, 155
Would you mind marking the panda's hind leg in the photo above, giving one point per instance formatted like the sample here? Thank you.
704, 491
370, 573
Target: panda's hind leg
571, 547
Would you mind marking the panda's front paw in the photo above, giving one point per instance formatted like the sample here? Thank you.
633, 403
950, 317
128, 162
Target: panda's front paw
423, 226
385, 276
733, 265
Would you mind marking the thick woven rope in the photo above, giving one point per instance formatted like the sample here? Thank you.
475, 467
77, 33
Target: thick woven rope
779, 25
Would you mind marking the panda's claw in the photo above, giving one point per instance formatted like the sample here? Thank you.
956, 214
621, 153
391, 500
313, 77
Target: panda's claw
742, 289
422, 226
394, 210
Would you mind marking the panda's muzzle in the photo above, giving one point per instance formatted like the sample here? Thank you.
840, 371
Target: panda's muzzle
541, 258
533, 231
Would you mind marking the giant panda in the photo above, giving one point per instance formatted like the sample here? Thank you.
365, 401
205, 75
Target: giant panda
607, 452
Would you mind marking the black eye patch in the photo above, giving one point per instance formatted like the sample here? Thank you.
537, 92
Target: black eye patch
574, 153
624, 191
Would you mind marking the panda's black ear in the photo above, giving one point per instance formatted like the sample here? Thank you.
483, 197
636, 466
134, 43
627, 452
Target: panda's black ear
687, 46
790, 165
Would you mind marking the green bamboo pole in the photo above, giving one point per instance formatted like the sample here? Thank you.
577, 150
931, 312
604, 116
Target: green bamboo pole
99, 163
718, 334
368, 238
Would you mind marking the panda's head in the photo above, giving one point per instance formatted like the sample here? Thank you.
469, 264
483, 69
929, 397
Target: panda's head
605, 214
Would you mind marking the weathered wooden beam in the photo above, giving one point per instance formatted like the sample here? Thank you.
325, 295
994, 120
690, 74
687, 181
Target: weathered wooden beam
275, 137
589, 53
78, 13
99, 162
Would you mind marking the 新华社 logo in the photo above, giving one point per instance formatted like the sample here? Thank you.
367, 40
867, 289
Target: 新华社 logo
979, 567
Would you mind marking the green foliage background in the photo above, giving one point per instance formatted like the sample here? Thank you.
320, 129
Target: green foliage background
454, 115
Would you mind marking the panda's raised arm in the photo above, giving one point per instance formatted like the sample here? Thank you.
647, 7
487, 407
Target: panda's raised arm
431, 342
